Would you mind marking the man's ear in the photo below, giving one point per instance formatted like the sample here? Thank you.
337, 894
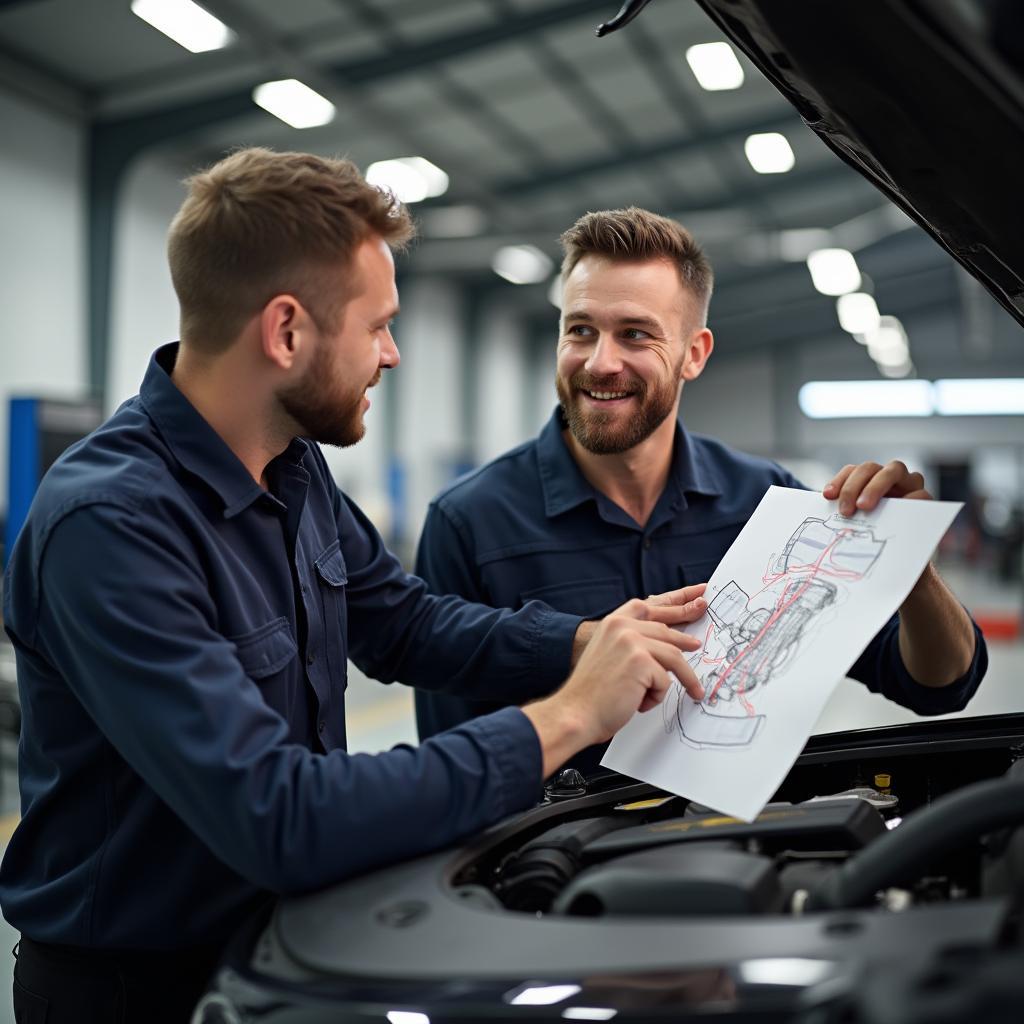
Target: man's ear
283, 327
698, 350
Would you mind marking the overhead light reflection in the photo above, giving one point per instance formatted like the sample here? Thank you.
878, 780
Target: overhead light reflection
588, 1013
540, 995
406, 1017
799, 971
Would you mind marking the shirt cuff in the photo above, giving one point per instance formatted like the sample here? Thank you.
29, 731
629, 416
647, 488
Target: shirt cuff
937, 700
514, 746
552, 641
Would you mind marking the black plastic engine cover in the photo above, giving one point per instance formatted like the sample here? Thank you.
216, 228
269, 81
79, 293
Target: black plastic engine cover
846, 824
693, 879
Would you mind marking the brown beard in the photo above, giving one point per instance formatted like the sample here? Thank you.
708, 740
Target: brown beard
595, 430
313, 403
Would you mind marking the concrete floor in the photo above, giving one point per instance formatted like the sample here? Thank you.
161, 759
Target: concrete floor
381, 716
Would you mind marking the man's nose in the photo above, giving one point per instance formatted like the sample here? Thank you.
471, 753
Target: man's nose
389, 356
605, 359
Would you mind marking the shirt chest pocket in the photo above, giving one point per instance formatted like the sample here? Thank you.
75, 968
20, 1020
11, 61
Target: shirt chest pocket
267, 656
591, 598
331, 579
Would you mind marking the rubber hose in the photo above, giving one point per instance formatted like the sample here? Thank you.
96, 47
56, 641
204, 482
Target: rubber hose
943, 826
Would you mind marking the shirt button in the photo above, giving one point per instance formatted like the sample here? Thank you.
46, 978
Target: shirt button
647, 543
323, 728
310, 658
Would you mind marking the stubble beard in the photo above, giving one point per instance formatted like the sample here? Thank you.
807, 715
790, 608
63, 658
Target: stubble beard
597, 431
314, 405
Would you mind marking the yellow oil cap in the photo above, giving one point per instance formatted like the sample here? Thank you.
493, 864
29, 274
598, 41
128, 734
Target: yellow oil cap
883, 780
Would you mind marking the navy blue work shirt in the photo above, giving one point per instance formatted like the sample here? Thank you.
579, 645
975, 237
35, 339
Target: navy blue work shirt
529, 526
181, 638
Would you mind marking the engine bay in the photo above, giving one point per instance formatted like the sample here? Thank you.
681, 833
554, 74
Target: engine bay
663, 856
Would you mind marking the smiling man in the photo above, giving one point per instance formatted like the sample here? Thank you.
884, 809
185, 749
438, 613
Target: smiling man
615, 499
184, 596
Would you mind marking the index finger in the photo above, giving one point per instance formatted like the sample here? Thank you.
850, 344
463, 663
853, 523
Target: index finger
682, 596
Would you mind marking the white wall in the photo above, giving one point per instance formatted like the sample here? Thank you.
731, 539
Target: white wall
501, 378
429, 391
144, 309
42, 259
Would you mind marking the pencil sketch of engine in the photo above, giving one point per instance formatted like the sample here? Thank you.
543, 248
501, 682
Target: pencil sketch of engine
752, 639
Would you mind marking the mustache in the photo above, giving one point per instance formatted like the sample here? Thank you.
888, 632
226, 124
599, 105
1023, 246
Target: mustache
376, 380
583, 381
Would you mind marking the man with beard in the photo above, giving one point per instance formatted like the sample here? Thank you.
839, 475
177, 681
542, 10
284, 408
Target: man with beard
184, 596
615, 499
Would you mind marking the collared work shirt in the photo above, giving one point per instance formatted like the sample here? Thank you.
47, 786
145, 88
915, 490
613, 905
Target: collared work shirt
529, 526
181, 637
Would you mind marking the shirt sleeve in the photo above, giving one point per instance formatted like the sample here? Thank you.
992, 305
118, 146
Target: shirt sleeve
880, 668
398, 630
126, 618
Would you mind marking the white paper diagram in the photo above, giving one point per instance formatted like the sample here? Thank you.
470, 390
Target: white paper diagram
795, 600
751, 639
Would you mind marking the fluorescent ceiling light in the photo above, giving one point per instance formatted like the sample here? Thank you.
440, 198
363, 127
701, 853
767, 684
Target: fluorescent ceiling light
715, 66
904, 369
838, 399
769, 153
541, 995
184, 22
410, 178
588, 1013
294, 103
521, 264
833, 271
858, 313
983, 397
887, 343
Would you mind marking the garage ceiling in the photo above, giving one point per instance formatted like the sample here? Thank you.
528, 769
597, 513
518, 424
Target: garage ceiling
534, 118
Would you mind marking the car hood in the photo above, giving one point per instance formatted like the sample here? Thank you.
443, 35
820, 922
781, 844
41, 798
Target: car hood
925, 99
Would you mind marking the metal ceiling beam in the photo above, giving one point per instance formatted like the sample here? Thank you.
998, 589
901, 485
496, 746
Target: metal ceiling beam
115, 142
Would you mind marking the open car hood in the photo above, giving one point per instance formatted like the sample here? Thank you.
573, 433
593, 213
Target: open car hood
924, 97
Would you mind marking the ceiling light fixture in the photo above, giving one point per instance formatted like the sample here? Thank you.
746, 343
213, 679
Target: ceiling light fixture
411, 178
522, 264
833, 271
715, 66
769, 153
294, 103
981, 397
858, 313
841, 399
185, 22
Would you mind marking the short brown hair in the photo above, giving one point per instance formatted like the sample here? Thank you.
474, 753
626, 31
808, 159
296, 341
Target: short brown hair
634, 234
260, 223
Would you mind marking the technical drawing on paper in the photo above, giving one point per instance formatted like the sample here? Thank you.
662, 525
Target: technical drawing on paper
752, 638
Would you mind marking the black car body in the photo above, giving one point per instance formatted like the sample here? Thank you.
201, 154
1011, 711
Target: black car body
896, 895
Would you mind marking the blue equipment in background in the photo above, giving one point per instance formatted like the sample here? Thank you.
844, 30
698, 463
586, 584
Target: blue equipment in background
40, 430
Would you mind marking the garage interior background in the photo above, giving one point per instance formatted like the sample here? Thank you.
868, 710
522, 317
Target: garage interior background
534, 121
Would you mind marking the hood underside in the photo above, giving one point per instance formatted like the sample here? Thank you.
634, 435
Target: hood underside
925, 99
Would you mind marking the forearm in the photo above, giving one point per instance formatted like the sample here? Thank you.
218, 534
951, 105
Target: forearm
560, 732
581, 639
936, 636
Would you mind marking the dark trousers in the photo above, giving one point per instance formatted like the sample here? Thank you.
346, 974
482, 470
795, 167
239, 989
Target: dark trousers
70, 985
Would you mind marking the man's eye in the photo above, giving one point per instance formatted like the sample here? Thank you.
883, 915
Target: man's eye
634, 334
580, 330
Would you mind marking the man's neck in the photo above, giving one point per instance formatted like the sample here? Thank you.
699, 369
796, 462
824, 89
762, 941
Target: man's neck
220, 391
633, 479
